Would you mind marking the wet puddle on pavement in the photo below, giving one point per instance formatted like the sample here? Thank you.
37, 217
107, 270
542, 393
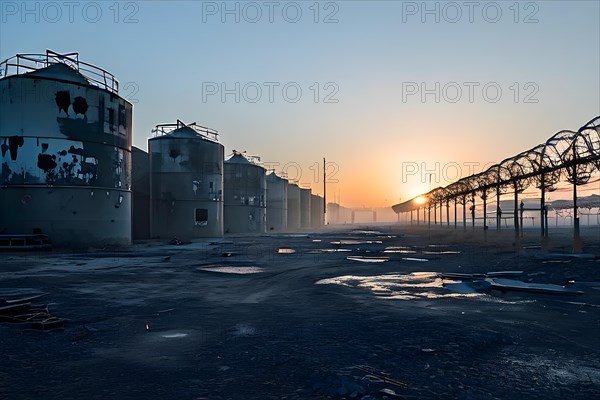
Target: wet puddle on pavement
285, 251
365, 232
444, 252
399, 250
347, 242
417, 285
228, 269
174, 335
432, 249
323, 251
368, 259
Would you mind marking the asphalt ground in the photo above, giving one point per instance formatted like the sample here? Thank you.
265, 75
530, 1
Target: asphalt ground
160, 321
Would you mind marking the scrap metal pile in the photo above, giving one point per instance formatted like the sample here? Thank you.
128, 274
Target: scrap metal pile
31, 315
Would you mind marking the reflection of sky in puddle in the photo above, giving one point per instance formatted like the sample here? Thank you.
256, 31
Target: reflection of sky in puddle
368, 259
418, 285
413, 250
164, 336
286, 251
357, 242
175, 335
399, 250
227, 269
320, 251
442, 252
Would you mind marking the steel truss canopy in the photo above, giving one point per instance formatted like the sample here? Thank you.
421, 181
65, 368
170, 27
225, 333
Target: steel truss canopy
567, 155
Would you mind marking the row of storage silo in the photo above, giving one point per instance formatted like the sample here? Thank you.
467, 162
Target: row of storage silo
193, 192
68, 168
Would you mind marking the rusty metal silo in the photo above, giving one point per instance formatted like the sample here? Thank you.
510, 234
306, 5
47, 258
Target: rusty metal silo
277, 197
186, 182
245, 192
65, 135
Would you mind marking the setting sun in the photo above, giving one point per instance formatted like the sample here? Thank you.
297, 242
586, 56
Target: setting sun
421, 200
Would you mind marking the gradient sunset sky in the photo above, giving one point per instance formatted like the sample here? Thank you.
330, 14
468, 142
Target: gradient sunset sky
361, 66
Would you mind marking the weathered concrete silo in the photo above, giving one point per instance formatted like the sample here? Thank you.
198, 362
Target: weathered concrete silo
65, 135
245, 192
293, 207
277, 197
305, 207
316, 211
140, 188
186, 182
337, 214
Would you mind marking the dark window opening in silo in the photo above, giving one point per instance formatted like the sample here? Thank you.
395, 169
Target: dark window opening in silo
122, 116
201, 216
111, 117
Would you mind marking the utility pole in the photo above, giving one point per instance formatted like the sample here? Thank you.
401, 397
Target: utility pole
324, 193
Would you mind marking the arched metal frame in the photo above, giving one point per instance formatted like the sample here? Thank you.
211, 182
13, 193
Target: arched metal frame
572, 156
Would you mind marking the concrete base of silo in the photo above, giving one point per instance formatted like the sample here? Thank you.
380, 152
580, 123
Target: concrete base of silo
71, 217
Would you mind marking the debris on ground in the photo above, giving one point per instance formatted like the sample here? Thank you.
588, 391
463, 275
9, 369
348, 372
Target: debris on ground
23, 311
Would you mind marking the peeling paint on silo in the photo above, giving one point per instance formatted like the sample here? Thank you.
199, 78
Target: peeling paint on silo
245, 195
65, 136
186, 182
